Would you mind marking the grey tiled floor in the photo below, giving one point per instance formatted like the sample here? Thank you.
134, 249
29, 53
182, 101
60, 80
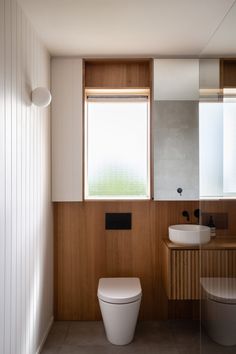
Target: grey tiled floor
159, 337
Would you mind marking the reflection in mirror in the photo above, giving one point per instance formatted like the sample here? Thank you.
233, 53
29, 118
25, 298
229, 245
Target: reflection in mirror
217, 148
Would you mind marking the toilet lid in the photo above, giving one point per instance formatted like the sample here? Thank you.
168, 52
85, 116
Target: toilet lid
220, 289
119, 290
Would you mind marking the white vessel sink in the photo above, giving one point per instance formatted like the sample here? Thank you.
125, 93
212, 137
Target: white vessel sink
188, 234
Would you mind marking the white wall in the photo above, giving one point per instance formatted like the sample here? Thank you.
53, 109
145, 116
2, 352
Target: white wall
26, 252
67, 129
176, 79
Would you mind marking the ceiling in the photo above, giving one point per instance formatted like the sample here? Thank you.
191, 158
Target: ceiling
161, 28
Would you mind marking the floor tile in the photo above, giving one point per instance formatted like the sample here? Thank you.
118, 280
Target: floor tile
145, 348
151, 337
50, 349
56, 337
86, 333
186, 336
154, 332
89, 349
110, 349
210, 347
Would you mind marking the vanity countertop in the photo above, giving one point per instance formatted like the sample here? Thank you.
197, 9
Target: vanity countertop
221, 243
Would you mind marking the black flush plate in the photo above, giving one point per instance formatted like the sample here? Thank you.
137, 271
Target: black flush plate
118, 221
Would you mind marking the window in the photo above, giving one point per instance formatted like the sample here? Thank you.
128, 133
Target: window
117, 144
217, 129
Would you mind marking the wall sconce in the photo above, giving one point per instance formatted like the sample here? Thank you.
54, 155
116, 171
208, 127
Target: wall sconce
41, 97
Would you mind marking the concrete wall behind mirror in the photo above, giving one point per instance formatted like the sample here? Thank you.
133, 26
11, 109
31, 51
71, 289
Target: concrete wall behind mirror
176, 150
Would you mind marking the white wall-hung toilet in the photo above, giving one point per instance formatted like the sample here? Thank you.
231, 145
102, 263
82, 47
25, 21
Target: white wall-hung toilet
219, 309
119, 300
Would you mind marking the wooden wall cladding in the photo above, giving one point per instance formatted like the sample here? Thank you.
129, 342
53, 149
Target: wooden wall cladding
228, 73
223, 207
118, 74
85, 251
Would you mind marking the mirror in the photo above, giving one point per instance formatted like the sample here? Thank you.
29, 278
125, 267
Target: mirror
175, 122
176, 156
217, 129
194, 139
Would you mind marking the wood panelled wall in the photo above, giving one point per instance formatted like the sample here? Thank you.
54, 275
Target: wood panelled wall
225, 207
85, 251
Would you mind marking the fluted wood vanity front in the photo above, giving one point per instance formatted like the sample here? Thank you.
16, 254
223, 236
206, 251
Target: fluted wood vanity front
182, 266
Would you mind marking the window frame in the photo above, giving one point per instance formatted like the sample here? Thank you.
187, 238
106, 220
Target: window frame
116, 92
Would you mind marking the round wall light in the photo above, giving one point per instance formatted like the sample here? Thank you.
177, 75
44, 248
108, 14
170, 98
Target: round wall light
41, 97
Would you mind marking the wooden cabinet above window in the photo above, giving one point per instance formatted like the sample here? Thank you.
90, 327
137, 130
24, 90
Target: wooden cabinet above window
228, 73
121, 73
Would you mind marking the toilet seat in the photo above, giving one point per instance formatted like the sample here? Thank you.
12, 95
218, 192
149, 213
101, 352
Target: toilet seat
221, 290
119, 290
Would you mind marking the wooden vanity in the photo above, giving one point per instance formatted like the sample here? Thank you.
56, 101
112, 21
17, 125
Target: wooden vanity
182, 266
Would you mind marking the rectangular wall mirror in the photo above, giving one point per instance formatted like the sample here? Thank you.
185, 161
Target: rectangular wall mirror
195, 138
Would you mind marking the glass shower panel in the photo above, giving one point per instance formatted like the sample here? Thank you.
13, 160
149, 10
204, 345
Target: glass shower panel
217, 288
229, 152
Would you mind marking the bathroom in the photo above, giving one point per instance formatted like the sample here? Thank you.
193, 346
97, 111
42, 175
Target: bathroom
117, 177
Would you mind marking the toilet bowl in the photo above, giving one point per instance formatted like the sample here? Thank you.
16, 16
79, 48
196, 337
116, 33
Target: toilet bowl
119, 300
219, 309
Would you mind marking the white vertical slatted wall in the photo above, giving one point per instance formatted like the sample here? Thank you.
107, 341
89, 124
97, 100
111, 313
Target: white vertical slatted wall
26, 240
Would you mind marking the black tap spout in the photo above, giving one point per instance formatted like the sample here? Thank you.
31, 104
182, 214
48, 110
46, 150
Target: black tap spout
185, 213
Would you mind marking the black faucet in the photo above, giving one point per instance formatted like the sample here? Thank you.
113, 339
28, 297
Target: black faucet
185, 213
179, 190
197, 214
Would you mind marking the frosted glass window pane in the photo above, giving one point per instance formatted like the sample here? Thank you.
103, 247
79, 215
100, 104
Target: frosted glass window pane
117, 150
211, 149
229, 148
